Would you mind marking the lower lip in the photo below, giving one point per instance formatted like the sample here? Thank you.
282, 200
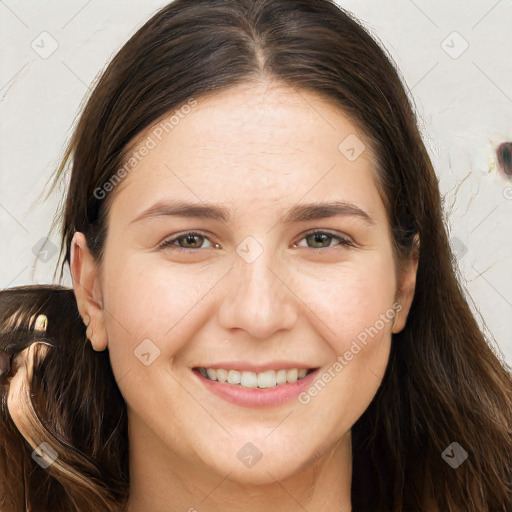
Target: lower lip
255, 397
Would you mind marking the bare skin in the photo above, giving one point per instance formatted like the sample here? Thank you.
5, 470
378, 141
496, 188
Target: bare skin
256, 151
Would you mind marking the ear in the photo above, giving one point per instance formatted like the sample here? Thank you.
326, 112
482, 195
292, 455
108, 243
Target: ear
406, 285
87, 287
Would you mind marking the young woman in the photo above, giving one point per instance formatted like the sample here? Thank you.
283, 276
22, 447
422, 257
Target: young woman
264, 313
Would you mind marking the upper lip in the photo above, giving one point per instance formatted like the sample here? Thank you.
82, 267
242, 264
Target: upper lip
243, 366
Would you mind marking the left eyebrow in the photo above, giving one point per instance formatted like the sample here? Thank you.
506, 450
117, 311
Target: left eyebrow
315, 211
298, 213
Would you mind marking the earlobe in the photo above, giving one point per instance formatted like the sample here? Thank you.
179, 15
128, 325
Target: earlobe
397, 307
87, 287
406, 288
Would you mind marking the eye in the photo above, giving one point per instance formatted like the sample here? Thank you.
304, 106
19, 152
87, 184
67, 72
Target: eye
189, 238
321, 237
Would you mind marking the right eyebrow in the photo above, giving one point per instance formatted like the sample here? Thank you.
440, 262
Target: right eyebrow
185, 209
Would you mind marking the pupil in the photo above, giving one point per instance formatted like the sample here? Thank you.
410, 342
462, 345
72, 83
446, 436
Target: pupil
319, 236
190, 239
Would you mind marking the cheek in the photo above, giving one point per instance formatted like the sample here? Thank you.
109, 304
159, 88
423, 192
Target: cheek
150, 302
357, 315
147, 326
350, 301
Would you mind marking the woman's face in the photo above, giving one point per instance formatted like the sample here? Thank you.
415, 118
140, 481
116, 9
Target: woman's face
250, 289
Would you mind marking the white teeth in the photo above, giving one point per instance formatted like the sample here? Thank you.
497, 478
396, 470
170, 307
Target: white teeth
234, 377
267, 379
292, 375
281, 377
222, 375
212, 374
251, 380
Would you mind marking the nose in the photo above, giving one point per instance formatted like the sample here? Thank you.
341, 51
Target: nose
257, 297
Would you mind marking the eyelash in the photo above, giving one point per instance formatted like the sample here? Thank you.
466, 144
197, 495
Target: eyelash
169, 243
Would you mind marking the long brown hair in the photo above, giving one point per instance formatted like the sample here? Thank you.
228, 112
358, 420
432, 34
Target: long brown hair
444, 382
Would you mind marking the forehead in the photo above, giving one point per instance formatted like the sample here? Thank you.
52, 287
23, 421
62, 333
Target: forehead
251, 119
270, 144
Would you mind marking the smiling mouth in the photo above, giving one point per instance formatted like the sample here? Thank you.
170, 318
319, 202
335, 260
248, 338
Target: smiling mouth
255, 380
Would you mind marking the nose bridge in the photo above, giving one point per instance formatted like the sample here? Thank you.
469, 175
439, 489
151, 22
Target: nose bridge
258, 300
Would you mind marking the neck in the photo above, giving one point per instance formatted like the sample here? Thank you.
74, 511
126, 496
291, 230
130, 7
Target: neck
160, 479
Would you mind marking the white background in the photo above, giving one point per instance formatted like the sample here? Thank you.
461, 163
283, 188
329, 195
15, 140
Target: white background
464, 105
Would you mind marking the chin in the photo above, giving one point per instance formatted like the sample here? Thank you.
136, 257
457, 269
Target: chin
245, 464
